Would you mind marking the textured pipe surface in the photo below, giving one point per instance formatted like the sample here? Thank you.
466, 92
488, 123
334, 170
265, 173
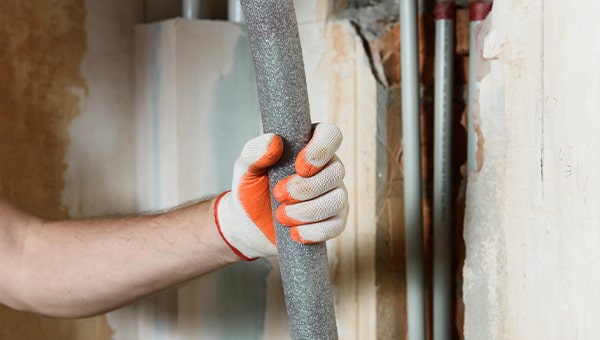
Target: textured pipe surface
442, 165
283, 98
413, 199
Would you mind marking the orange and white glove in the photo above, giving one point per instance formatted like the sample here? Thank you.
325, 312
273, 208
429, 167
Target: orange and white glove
314, 201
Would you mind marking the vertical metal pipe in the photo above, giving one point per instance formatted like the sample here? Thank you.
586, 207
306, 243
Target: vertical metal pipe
283, 98
442, 196
234, 11
413, 200
478, 11
191, 9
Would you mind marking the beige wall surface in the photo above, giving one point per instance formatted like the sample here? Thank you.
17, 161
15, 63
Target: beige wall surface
533, 211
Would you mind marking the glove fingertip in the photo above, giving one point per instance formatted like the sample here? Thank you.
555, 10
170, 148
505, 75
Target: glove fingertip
284, 219
295, 235
325, 141
303, 167
281, 192
275, 149
277, 141
271, 156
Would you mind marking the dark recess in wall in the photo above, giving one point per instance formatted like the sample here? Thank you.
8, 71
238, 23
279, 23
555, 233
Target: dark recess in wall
376, 23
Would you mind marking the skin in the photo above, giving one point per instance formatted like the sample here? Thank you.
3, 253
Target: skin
80, 268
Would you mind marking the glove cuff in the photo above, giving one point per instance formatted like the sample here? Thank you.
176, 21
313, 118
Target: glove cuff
218, 224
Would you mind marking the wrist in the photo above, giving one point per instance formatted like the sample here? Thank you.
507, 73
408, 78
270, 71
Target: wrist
221, 224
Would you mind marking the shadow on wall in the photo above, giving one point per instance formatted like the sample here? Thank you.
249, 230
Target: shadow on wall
376, 23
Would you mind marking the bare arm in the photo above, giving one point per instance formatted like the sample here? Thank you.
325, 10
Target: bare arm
81, 268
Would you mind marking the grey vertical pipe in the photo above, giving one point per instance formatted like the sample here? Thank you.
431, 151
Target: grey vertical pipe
234, 11
442, 165
191, 9
473, 87
283, 98
413, 200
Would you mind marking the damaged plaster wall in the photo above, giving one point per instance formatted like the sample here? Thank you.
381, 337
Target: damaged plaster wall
42, 47
533, 219
66, 117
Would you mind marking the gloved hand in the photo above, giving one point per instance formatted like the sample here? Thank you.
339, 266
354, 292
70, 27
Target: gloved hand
314, 201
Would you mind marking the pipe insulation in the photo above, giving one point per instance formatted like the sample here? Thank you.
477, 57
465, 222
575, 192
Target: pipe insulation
283, 99
413, 197
442, 165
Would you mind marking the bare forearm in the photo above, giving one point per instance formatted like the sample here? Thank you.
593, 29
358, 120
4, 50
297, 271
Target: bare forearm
81, 268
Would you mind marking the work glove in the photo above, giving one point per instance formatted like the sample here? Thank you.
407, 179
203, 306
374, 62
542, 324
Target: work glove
314, 201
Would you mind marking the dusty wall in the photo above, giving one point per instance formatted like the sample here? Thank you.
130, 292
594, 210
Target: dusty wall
42, 45
66, 111
533, 219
